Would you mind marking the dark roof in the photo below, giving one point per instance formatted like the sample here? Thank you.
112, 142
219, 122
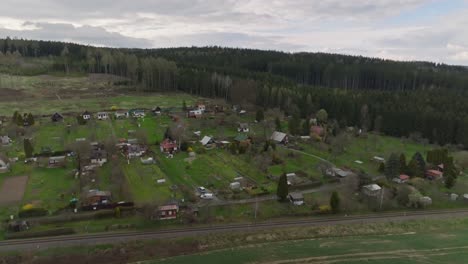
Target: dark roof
241, 137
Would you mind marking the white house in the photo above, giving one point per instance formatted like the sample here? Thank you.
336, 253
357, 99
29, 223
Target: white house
102, 115
121, 114
279, 137
86, 115
296, 198
196, 113
243, 127
371, 189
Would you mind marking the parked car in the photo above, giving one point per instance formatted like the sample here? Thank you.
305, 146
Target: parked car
201, 189
207, 196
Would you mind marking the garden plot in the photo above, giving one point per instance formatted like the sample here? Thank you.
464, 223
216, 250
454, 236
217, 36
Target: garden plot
13, 189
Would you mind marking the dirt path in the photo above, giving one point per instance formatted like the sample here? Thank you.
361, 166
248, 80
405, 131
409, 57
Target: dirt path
13, 189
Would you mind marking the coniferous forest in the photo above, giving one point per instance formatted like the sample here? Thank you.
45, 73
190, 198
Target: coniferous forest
395, 98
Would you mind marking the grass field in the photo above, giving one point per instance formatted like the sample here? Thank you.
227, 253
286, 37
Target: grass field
445, 247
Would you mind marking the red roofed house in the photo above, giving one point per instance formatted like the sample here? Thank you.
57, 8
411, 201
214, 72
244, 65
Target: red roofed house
434, 174
166, 212
402, 178
168, 146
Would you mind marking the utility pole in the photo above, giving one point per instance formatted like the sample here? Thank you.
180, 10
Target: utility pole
381, 197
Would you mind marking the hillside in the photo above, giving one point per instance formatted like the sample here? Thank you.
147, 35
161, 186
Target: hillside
396, 98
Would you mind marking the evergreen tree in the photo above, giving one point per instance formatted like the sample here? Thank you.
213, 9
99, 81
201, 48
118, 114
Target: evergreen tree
381, 167
278, 124
28, 148
184, 105
306, 127
19, 120
30, 119
259, 115
417, 166
392, 168
403, 165
282, 190
14, 119
335, 202
294, 124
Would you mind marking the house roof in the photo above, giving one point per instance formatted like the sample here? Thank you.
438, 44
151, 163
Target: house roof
404, 177
241, 137
205, 140
92, 193
102, 113
57, 115
372, 187
243, 125
58, 158
296, 196
167, 143
278, 136
86, 113
168, 207
434, 173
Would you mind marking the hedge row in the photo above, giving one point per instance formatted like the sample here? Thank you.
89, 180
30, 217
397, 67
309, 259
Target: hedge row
43, 233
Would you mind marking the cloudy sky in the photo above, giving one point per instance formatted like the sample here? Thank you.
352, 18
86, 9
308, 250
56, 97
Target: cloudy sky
435, 30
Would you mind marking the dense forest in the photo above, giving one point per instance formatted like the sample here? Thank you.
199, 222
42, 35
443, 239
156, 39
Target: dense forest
395, 98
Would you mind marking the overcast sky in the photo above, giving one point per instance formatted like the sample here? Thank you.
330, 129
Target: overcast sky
434, 30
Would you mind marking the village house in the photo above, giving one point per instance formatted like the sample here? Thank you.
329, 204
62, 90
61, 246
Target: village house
86, 115
137, 113
371, 190
207, 141
56, 117
168, 146
5, 140
378, 159
279, 137
434, 174
157, 110
337, 172
296, 198
134, 150
102, 115
241, 138
97, 197
243, 127
201, 107
56, 161
121, 114
4, 164
98, 155
403, 178
167, 212
196, 113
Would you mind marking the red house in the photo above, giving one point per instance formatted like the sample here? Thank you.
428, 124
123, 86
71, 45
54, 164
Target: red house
434, 174
166, 212
168, 146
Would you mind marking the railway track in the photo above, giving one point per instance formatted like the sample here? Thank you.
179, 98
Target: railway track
116, 237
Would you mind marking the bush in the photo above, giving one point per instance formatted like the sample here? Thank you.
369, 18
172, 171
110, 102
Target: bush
32, 212
43, 233
184, 146
325, 209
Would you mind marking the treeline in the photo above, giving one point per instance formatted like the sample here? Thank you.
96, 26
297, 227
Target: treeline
396, 98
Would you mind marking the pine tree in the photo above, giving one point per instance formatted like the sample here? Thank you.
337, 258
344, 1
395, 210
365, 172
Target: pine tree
403, 165
392, 168
335, 202
14, 119
30, 119
278, 124
28, 148
184, 105
19, 120
282, 190
306, 127
417, 166
260, 115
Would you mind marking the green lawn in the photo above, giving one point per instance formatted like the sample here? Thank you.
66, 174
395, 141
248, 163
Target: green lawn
445, 247
45, 187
